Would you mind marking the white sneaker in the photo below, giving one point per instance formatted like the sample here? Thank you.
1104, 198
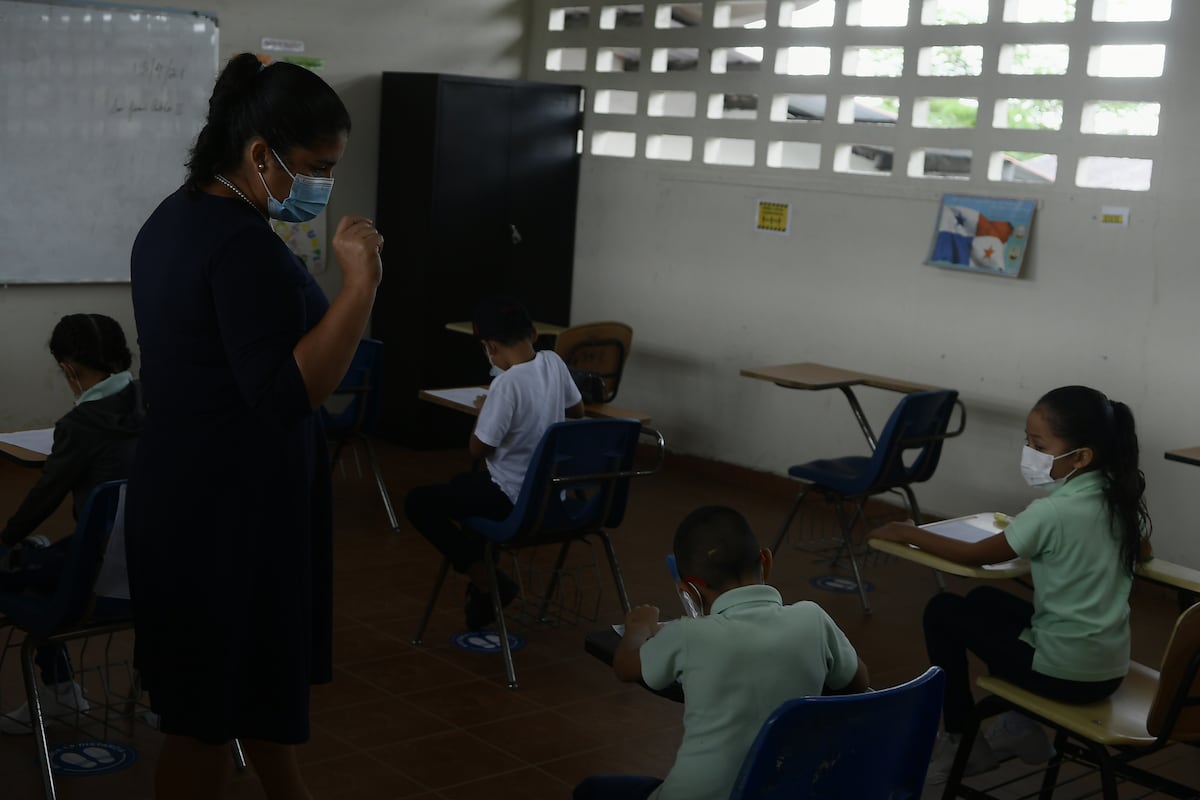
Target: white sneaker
1014, 734
981, 759
60, 700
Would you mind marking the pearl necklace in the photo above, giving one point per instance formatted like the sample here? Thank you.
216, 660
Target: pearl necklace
229, 184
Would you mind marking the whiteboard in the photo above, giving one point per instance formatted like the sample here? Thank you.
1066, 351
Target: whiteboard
98, 109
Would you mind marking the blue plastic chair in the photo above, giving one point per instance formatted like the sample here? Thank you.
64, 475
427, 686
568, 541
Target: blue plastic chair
577, 486
361, 415
871, 746
907, 452
72, 612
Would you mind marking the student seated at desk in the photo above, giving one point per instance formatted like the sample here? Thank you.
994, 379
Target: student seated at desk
1082, 542
748, 655
93, 443
533, 391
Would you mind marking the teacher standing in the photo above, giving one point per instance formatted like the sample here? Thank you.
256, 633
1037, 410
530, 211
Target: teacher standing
229, 528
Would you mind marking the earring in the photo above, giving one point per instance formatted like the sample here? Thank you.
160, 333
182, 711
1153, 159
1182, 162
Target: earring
261, 167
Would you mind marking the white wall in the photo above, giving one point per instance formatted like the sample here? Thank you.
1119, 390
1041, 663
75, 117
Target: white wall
671, 249
358, 39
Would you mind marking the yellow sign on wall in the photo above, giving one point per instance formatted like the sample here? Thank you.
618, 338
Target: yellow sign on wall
773, 217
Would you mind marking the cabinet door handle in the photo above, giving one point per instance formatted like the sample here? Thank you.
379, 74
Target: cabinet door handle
514, 233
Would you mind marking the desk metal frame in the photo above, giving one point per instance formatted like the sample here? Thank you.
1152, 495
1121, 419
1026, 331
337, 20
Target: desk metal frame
809, 376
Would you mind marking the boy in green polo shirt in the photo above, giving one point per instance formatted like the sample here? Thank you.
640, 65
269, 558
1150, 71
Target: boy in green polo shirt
744, 658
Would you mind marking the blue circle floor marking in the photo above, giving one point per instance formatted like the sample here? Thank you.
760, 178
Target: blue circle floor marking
485, 641
839, 583
91, 758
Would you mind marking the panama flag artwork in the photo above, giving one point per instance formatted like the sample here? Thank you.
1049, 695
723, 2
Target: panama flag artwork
982, 234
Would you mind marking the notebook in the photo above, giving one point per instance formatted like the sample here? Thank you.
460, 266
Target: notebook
973, 528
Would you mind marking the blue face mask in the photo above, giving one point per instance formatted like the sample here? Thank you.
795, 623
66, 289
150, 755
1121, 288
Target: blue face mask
308, 197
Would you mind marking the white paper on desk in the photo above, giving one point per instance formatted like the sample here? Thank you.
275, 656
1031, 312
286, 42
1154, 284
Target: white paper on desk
620, 629
39, 441
970, 529
463, 396
961, 530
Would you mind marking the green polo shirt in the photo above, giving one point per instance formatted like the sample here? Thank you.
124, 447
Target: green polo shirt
1080, 627
737, 665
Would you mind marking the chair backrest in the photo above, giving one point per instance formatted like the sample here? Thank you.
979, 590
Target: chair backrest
920, 422
578, 479
599, 347
1175, 711
361, 383
873, 745
73, 596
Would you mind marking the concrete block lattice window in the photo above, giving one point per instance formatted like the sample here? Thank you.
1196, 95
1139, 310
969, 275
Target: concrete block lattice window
964, 91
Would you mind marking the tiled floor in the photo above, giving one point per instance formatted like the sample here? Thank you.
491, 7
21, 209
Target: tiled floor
432, 721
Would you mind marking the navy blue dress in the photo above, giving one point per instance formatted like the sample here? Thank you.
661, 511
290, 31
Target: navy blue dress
228, 529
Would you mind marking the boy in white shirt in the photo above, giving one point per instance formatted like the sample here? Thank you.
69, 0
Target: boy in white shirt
533, 391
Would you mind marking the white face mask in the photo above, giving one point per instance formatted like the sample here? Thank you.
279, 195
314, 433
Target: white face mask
690, 607
1036, 466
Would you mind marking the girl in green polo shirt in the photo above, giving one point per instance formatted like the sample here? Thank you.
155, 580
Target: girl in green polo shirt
1082, 542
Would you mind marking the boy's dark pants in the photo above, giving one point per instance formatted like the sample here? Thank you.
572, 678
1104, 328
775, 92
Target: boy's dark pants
437, 512
38, 573
988, 622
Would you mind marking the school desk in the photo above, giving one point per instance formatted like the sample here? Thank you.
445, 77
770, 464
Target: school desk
27, 448
1183, 579
602, 644
808, 376
463, 399
542, 328
1188, 455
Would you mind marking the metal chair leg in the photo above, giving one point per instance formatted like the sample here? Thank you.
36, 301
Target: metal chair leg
1050, 776
847, 527
959, 768
336, 457
239, 755
1108, 778
36, 719
510, 671
437, 589
383, 492
846, 538
787, 523
616, 571
552, 586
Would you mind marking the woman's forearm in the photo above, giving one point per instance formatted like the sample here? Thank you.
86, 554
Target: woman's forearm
325, 352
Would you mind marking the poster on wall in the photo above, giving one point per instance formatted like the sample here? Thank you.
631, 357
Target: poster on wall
773, 217
306, 240
982, 234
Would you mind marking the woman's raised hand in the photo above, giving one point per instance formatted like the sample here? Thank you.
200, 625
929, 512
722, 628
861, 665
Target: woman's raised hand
358, 244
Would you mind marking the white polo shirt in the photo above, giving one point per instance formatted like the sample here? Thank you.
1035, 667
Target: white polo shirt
522, 402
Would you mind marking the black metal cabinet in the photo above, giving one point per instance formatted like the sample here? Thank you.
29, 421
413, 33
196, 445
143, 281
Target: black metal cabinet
478, 181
